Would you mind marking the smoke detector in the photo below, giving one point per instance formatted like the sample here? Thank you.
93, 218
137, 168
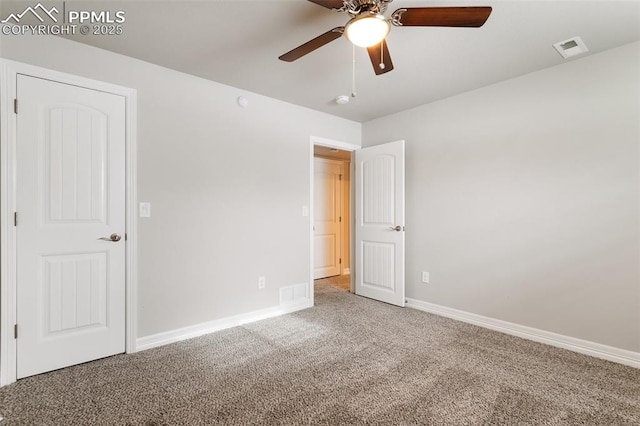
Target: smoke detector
243, 102
571, 47
342, 99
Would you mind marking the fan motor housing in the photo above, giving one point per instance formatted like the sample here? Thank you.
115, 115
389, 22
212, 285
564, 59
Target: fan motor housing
356, 7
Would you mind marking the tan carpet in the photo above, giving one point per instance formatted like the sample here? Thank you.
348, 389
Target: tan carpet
340, 281
348, 360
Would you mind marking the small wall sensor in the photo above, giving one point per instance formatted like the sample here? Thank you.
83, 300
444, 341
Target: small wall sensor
571, 47
243, 102
342, 99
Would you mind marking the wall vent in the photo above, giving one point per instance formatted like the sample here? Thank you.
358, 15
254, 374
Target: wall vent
294, 293
571, 47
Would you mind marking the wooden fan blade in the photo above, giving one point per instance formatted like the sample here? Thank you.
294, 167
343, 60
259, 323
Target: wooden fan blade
329, 4
379, 54
312, 45
441, 16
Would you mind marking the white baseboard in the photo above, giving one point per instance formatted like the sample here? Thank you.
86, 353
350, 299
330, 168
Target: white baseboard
167, 337
586, 347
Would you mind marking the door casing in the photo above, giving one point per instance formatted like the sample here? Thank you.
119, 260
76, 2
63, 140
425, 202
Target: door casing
9, 70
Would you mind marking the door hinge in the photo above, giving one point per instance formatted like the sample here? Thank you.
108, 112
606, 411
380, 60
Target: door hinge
15, 106
340, 261
125, 236
15, 331
340, 219
15, 218
340, 178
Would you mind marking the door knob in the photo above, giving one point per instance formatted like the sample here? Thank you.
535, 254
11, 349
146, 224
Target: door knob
396, 228
113, 237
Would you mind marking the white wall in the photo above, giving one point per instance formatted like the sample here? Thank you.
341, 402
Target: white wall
226, 185
523, 198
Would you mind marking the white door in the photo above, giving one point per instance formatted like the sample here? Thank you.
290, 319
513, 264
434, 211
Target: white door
379, 225
70, 200
327, 236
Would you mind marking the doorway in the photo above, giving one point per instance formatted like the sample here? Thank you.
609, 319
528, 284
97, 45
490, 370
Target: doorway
68, 229
332, 192
336, 159
376, 238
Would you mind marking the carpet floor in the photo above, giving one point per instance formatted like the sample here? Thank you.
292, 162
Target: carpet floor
346, 361
340, 281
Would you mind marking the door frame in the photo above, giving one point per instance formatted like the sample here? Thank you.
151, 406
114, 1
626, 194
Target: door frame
9, 70
345, 146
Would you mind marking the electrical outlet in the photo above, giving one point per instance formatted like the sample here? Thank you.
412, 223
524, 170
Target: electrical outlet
262, 282
425, 277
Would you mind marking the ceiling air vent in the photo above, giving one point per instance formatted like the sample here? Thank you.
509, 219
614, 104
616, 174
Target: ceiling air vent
571, 47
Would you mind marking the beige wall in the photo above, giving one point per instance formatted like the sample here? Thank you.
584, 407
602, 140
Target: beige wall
226, 185
523, 198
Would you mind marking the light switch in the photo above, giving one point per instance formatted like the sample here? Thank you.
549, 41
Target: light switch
145, 209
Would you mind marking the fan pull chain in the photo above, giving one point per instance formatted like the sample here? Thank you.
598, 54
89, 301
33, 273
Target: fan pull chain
382, 65
353, 71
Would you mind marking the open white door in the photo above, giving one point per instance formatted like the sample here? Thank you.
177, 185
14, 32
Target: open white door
70, 225
379, 222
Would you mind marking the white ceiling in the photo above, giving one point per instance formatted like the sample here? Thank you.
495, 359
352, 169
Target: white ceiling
238, 43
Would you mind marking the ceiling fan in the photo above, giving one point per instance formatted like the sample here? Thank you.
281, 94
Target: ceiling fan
368, 27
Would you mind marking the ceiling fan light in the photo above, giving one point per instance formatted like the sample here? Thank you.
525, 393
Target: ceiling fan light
367, 30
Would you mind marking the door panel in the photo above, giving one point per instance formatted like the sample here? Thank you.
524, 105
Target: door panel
74, 292
325, 256
74, 160
378, 196
70, 194
379, 231
327, 193
379, 259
